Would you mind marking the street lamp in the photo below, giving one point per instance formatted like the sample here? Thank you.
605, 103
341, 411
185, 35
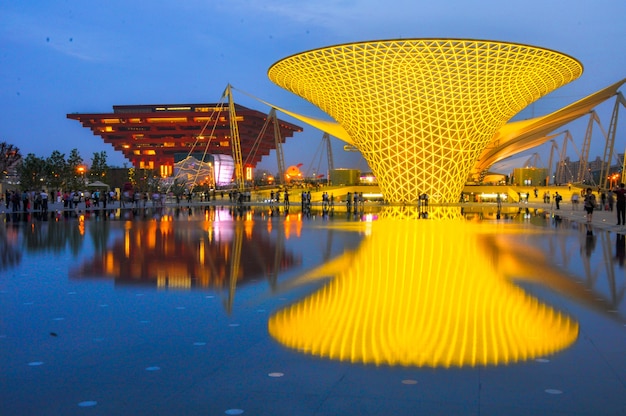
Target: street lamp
81, 172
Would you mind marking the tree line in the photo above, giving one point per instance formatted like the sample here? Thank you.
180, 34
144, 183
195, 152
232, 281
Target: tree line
53, 172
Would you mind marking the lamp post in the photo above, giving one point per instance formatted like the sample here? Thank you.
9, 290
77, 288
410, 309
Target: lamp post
81, 172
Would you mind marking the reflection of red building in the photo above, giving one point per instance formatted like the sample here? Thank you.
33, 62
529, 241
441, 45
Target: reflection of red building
185, 255
152, 136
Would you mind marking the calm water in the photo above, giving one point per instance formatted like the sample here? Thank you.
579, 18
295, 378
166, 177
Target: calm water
218, 311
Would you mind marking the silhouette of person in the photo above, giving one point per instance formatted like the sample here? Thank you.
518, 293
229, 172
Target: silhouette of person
590, 203
620, 196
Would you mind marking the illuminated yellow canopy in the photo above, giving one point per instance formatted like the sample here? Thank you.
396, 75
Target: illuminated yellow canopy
421, 111
406, 297
522, 135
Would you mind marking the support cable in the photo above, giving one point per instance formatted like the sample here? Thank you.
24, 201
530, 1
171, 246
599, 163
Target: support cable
235, 141
610, 141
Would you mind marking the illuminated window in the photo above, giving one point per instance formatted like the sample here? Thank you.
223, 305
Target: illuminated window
166, 171
167, 120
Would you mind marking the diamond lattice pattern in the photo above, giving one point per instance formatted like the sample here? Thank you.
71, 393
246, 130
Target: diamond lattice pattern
421, 111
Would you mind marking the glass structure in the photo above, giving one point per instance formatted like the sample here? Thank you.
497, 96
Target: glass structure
421, 111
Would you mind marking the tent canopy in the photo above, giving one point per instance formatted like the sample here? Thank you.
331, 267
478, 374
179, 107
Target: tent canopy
98, 184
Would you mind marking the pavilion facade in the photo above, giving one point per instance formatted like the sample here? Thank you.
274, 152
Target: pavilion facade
156, 136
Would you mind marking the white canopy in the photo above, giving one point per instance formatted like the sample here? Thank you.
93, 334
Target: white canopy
98, 184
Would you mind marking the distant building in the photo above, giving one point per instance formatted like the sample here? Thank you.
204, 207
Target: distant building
530, 176
155, 137
568, 171
345, 176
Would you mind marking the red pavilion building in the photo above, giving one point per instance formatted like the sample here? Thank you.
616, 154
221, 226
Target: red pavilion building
157, 136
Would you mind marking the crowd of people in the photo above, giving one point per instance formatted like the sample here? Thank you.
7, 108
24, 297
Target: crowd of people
40, 200
614, 197
605, 200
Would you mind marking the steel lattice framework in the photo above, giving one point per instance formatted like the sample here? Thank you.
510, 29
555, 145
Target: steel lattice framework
421, 111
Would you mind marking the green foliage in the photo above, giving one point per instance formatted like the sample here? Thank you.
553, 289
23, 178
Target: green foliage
56, 171
32, 172
144, 180
132, 177
75, 171
99, 167
53, 172
9, 157
153, 182
178, 187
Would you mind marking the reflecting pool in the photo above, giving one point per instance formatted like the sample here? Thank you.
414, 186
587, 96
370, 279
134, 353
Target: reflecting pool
262, 311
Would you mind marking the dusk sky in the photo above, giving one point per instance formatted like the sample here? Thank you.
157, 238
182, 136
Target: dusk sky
82, 56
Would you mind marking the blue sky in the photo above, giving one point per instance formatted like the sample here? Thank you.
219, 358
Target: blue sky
59, 57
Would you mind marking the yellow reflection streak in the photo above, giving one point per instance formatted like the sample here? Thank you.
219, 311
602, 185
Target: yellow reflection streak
423, 293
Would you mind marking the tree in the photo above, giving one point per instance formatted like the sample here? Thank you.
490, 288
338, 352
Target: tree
133, 177
99, 167
9, 157
75, 171
144, 180
178, 187
153, 182
32, 172
261, 177
56, 170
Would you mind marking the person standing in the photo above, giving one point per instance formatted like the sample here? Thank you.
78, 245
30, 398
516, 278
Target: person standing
557, 200
575, 201
25, 201
620, 196
44, 201
590, 203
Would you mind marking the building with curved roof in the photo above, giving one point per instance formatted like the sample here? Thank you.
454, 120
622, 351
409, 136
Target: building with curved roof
422, 111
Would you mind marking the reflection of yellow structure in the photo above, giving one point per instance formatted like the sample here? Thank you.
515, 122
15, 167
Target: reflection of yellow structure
410, 297
422, 111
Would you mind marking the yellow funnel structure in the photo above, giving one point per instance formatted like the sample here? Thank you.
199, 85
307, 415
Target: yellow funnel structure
421, 111
424, 293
